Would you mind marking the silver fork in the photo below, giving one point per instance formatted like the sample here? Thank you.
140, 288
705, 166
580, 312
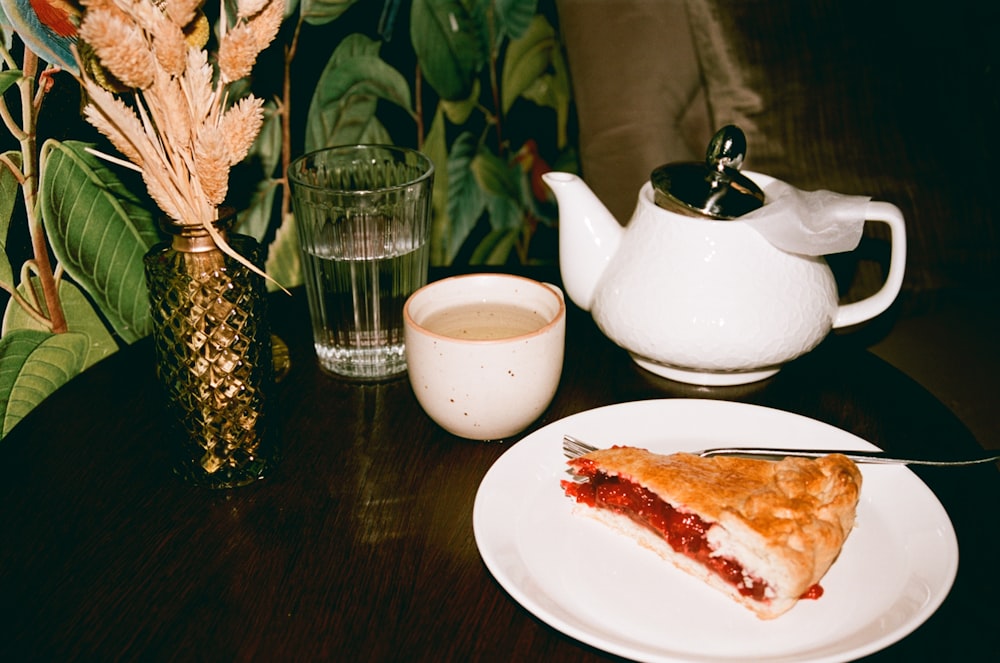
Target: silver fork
574, 448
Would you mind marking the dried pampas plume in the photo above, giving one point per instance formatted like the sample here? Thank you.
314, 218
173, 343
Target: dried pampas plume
176, 123
238, 48
121, 47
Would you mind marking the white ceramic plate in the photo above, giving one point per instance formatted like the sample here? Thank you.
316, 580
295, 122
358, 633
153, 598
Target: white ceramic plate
599, 587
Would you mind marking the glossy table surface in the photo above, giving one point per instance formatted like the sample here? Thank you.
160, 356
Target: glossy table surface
360, 546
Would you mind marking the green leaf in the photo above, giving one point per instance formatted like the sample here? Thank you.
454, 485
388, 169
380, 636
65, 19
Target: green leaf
504, 213
8, 77
99, 231
458, 111
320, 12
514, 16
8, 190
80, 318
284, 263
342, 110
448, 44
495, 247
33, 365
466, 201
6, 271
256, 218
527, 58
552, 90
8, 195
436, 149
494, 176
501, 185
6, 34
374, 133
267, 147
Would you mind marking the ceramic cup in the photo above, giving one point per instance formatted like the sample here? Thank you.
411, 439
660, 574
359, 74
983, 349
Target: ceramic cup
485, 352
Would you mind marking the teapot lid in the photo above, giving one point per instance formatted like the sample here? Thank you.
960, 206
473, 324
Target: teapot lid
715, 189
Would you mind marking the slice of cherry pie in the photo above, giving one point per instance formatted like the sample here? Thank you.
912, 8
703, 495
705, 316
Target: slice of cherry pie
763, 532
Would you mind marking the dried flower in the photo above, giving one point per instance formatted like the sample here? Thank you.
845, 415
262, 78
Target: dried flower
116, 121
176, 124
212, 164
120, 46
237, 53
248, 8
181, 12
239, 46
266, 23
170, 46
240, 126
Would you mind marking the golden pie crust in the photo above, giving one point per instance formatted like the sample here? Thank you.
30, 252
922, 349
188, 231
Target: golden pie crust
784, 521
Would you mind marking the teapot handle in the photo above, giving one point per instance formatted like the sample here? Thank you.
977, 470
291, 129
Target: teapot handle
868, 308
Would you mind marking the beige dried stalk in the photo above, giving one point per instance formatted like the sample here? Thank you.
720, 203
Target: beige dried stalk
177, 125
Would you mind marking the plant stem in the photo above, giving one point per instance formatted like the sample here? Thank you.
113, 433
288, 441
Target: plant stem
8, 120
494, 85
285, 108
32, 311
418, 105
30, 103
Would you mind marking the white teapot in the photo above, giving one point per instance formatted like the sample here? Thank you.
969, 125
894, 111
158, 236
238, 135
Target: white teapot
691, 291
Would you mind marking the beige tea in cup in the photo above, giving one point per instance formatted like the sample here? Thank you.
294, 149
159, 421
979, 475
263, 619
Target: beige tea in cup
485, 321
484, 352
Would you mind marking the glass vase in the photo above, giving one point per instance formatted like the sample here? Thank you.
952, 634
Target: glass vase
213, 355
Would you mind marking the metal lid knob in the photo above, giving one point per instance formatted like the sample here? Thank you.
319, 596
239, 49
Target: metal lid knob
715, 189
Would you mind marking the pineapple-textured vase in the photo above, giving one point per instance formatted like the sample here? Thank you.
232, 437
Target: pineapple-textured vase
213, 355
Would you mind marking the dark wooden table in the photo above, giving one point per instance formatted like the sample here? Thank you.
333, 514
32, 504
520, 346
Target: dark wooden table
360, 547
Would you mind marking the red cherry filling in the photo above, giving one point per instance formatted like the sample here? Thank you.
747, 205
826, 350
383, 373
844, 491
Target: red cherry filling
685, 532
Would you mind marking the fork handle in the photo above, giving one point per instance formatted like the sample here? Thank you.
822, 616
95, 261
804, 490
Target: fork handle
876, 457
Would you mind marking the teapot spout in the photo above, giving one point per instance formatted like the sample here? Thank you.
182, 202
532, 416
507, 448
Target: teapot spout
588, 236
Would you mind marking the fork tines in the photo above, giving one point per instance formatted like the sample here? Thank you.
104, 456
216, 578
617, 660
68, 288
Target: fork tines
574, 448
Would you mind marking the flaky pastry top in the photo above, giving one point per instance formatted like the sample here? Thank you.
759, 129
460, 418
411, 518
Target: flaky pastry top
797, 507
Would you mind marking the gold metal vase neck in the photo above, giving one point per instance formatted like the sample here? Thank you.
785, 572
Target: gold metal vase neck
194, 237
